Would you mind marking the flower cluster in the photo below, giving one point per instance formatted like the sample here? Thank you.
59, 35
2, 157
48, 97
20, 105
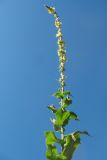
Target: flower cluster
61, 51
61, 46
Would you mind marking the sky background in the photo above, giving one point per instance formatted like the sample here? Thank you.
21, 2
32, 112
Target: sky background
29, 75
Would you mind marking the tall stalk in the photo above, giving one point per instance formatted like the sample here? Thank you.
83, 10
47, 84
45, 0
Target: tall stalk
62, 116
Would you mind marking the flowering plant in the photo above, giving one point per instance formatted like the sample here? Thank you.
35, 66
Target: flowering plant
62, 116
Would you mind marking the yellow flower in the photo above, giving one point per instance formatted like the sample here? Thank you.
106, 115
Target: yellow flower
57, 23
51, 10
59, 34
61, 43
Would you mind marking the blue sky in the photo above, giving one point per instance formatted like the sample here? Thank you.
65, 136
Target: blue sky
29, 74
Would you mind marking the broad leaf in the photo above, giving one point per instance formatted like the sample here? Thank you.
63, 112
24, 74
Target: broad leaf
72, 116
59, 94
72, 141
63, 117
50, 138
70, 146
51, 152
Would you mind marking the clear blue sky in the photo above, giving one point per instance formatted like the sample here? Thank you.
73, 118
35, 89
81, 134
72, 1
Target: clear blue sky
28, 75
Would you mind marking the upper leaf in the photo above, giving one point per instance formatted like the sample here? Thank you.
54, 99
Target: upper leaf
59, 94
50, 138
72, 115
63, 117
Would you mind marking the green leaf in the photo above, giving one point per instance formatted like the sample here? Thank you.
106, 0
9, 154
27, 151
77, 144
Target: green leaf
60, 156
59, 94
66, 117
59, 117
63, 117
71, 116
77, 134
72, 142
67, 93
50, 138
70, 146
67, 101
51, 152
52, 108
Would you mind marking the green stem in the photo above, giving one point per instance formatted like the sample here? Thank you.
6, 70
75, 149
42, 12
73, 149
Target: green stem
62, 133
